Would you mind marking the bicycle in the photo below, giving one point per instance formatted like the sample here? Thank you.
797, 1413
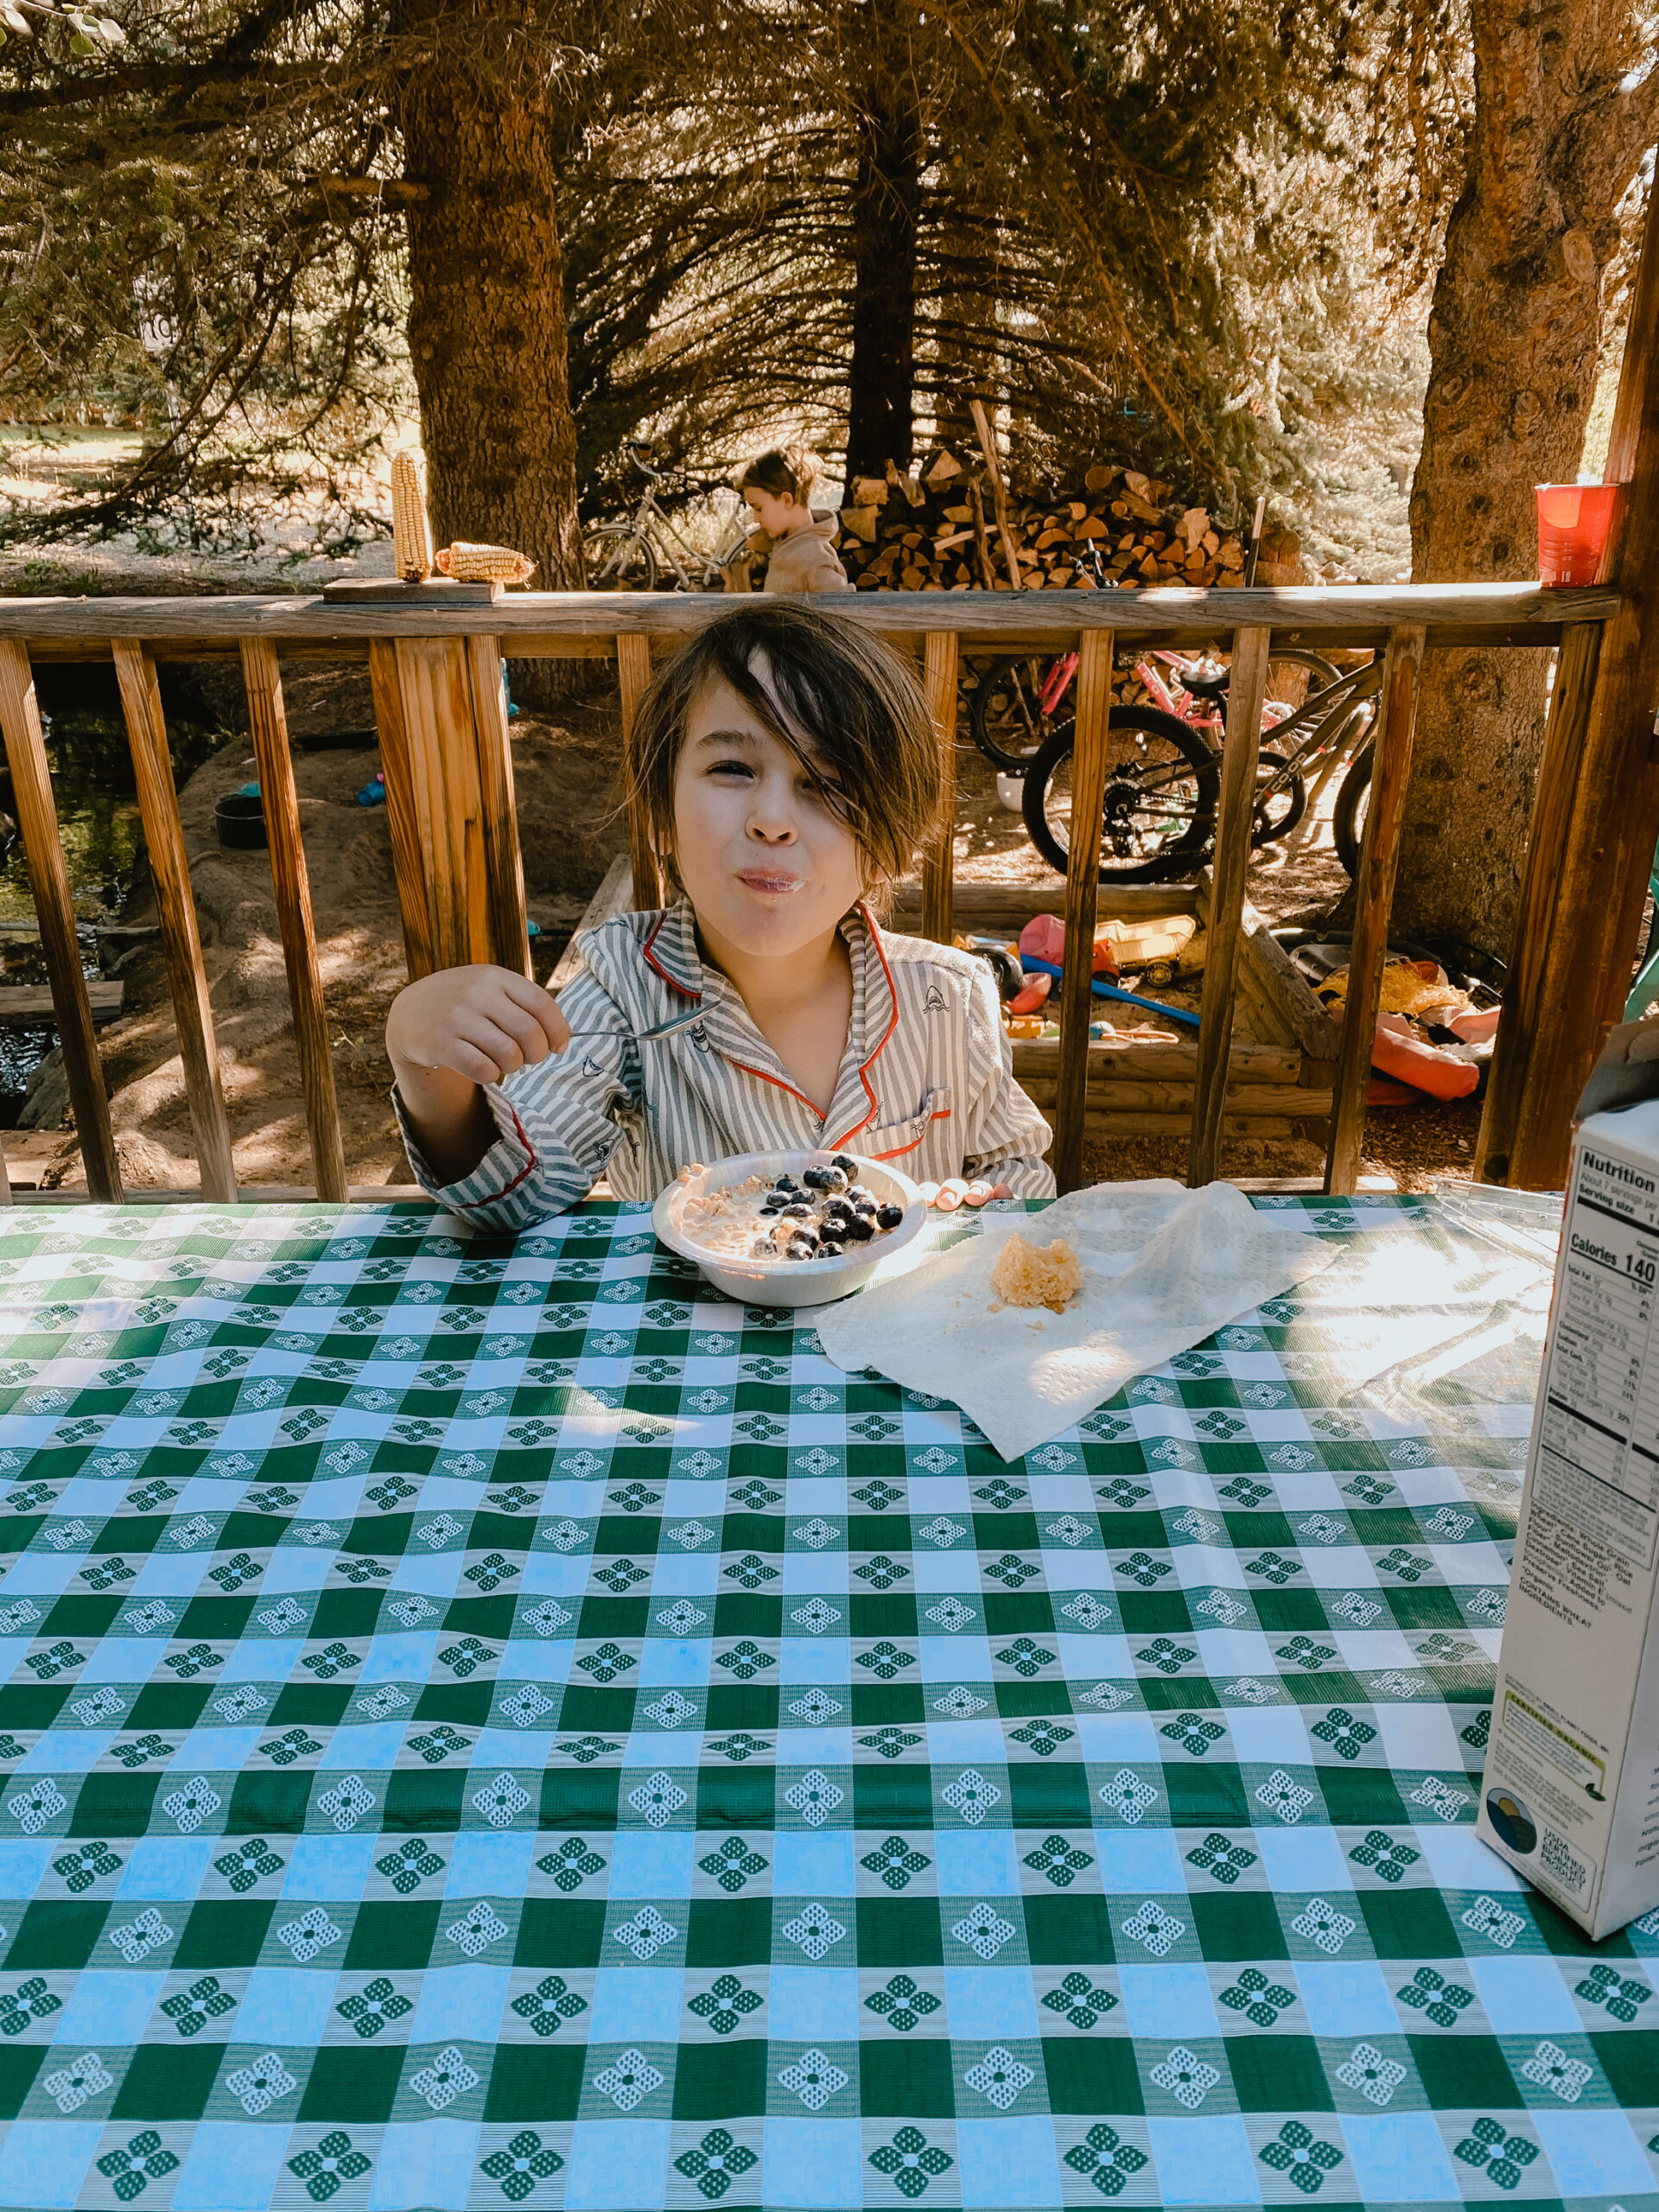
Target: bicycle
630, 555
1163, 766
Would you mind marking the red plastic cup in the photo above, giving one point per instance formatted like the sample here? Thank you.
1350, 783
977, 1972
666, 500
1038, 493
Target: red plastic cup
1574, 521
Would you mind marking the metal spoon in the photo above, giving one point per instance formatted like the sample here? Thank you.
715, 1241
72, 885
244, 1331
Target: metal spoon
644, 1036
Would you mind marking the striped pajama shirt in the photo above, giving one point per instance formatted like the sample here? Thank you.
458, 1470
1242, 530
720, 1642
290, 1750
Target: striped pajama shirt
926, 1081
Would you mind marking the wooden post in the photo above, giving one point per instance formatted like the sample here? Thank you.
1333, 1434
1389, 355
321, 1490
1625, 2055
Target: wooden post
1089, 758
442, 759
504, 863
1558, 775
938, 861
263, 675
158, 805
1580, 942
633, 674
48, 879
403, 822
1379, 857
1246, 690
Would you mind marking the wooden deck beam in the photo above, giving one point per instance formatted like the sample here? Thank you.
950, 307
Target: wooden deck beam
292, 885
545, 625
170, 875
1246, 695
48, 879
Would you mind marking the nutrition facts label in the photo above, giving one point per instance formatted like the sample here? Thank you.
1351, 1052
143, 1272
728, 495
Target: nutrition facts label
1598, 1446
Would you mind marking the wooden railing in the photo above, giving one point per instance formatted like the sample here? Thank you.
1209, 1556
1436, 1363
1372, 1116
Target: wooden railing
445, 754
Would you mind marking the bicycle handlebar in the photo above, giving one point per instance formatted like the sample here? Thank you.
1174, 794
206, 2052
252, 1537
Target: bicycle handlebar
637, 451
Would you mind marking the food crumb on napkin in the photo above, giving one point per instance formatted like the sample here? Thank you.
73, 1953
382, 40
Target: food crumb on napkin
1027, 1274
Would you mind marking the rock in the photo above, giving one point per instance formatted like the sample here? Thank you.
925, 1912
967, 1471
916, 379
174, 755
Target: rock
46, 1102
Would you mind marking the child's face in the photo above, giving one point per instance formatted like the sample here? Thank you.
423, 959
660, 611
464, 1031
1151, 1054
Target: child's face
775, 512
766, 866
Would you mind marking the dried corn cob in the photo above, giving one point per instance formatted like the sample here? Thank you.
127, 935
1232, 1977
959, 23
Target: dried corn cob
411, 533
484, 564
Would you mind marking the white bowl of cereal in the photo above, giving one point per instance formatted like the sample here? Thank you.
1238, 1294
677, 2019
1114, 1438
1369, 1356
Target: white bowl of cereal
766, 1235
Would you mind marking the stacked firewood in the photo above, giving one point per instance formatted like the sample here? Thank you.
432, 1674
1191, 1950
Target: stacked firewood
945, 528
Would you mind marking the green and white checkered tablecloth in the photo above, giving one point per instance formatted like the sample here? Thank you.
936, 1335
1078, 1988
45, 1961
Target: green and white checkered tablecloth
490, 1723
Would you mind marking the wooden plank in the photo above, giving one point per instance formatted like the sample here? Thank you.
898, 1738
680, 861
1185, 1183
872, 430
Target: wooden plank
982, 907
263, 675
1273, 976
1072, 991
1123, 1095
633, 674
32, 1004
1246, 692
48, 879
1552, 814
1262, 1128
403, 822
1039, 1056
504, 861
938, 861
170, 875
532, 623
1261, 1011
611, 899
449, 804
1379, 857
260, 1194
1269, 981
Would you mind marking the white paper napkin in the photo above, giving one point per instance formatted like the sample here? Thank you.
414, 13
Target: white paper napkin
1162, 1267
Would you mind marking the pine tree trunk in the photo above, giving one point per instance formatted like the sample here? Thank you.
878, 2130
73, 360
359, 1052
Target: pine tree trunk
487, 327
1513, 343
965, 351
885, 212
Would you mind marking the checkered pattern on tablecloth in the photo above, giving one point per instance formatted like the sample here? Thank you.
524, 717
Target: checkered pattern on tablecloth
492, 1722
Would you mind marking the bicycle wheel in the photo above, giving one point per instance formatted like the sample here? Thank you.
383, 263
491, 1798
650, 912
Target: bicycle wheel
1005, 715
1294, 677
615, 557
1280, 809
1162, 782
1348, 817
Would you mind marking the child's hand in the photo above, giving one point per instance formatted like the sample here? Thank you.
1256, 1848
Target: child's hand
479, 1023
945, 1196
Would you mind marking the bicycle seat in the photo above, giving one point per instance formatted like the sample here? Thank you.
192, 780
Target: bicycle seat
637, 454
1198, 685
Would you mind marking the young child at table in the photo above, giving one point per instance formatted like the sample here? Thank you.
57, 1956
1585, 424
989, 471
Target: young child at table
778, 489
787, 768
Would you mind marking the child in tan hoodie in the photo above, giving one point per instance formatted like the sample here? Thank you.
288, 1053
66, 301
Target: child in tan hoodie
777, 485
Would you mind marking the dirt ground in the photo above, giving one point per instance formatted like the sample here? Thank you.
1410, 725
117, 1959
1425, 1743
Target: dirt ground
571, 827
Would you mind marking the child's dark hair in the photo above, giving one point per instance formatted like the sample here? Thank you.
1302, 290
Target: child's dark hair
790, 474
839, 698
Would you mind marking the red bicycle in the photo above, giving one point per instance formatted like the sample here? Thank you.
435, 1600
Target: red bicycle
1163, 765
